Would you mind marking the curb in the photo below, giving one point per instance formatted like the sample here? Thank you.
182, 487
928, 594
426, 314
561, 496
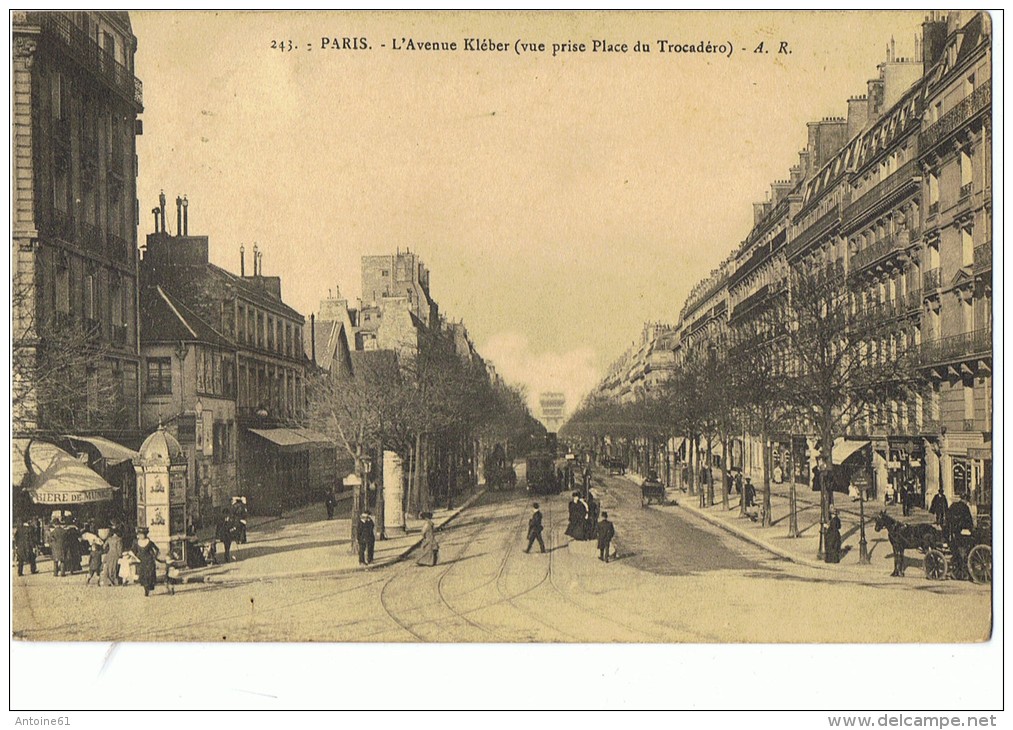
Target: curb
744, 535
757, 541
330, 572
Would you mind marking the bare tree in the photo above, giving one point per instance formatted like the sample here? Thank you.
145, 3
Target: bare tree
756, 362
842, 361
61, 371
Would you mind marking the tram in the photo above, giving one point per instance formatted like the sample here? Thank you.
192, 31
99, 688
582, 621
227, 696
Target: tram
540, 474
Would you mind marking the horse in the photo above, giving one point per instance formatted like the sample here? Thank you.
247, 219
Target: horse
917, 537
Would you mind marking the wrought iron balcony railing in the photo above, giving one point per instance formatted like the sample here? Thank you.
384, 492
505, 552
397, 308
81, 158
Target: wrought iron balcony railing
87, 52
965, 191
934, 208
931, 279
968, 424
875, 252
956, 347
951, 120
914, 300
909, 172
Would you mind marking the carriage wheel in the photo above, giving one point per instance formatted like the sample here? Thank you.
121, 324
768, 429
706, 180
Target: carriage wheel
979, 564
936, 565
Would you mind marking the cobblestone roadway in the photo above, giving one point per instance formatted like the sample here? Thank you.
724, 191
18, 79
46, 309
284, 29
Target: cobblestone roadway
677, 579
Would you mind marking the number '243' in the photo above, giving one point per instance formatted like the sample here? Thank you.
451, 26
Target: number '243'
282, 45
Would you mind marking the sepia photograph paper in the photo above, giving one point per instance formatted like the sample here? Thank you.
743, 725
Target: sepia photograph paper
506, 328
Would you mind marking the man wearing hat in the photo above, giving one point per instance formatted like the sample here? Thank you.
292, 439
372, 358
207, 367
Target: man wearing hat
24, 546
535, 529
606, 532
959, 524
366, 536
58, 547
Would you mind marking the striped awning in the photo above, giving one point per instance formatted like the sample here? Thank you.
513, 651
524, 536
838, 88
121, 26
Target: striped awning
52, 476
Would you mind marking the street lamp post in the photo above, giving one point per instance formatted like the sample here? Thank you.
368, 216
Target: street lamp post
821, 464
354, 482
863, 545
792, 499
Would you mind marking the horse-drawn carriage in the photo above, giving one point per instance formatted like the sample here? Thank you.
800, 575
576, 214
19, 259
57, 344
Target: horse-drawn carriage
943, 562
652, 489
940, 558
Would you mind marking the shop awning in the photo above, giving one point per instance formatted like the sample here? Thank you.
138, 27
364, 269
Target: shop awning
112, 452
313, 437
56, 477
844, 448
291, 439
19, 468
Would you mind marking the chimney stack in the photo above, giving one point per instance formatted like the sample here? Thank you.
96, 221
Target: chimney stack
186, 227
155, 211
161, 207
933, 39
179, 216
242, 260
313, 337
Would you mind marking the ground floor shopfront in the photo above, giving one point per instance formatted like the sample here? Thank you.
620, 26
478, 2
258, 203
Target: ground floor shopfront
284, 468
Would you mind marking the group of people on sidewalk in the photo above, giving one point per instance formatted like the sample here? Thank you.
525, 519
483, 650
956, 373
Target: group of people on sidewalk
109, 561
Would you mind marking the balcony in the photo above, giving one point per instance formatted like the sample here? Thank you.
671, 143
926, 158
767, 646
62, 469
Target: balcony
811, 233
934, 208
86, 51
931, 280
967, 108
914, 300
884, 310
968, 424
967, 345
930, 425
965, 191
907, 173
983, 257
875, 252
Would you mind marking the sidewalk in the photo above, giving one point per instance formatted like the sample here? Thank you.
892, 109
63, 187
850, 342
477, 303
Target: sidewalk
803, 549
304, 543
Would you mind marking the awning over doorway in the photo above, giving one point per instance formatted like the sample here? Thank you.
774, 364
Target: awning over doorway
291, 439
55, 477
112, 452
843, 448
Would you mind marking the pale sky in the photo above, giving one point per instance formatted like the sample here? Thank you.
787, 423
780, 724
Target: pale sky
559, 202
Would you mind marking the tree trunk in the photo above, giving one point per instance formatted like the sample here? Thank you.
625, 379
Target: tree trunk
724, 473
422, 474
357, 501
710, 472
765, 521
690, 471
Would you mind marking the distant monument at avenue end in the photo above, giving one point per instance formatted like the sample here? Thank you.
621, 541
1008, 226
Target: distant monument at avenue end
553, 407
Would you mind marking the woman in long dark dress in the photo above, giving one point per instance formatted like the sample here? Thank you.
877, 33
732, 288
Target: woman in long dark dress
146, 552
833, 539
578, 517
